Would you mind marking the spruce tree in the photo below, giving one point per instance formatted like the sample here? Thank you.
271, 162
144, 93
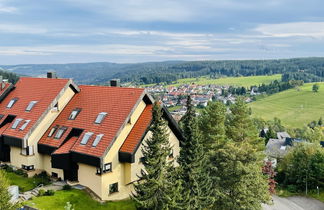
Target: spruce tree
212, 125
156, 188
239, 125
196, 184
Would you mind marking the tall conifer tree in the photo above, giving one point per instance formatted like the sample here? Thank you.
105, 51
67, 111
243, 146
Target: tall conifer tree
196, 183
156, 189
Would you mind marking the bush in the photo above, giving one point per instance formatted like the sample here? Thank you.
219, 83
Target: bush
8, 168
42, 178
49, 192
67, 187
292, 188
41, 192
21, 172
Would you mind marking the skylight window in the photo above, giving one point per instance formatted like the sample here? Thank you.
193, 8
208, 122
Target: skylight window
24, 125
97, 140
100, 117
16, 123
12, 102
52, 131
86, 138
60, 132
74, 113
31, 105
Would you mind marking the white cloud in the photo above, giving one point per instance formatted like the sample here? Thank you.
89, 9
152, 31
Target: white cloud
21, 29
301, 29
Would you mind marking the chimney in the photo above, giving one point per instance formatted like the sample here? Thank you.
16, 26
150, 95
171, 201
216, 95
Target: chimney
115, 83
51, 74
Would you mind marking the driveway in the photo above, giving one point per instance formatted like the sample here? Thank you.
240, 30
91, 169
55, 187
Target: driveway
294, 203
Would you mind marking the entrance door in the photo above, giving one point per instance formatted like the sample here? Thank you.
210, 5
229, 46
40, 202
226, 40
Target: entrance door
72, 173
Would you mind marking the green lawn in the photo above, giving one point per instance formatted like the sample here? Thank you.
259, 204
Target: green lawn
24, 183
294, 108
235, 81
80, 201
171, 109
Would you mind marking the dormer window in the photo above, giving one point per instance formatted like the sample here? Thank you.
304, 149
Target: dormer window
97, 140
16, 123
52, 131
24, 125
100, 117
86, 138
60, 132
31, 105
12, 102
74, 113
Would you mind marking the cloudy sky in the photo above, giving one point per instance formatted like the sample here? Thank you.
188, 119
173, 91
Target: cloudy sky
64, 31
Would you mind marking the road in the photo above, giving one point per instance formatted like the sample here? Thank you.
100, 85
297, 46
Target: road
294, 203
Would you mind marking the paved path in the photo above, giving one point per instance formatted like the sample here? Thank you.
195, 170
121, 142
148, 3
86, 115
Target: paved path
294, 203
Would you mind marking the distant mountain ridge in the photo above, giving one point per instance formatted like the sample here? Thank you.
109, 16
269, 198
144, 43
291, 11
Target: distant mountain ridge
307, 69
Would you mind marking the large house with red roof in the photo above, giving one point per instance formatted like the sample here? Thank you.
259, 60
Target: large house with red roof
86, 135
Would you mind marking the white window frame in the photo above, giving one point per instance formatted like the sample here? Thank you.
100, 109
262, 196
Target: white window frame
97, 140
16, 123
24, 125
100, 117
107, 167
60, 132
31, 105
12, 102
86, 138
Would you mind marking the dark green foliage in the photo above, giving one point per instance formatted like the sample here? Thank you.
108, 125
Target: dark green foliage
271, 134
67, 187
41, 192
315, 88
12, 77
303, 167
49, 192
198, 192
156, 189
276, 86
42, 178
167, 72
239, 125
241, 183
320, 121
212, 125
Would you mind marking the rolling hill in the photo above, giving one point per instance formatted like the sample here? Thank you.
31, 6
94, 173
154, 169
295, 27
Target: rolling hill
295, 108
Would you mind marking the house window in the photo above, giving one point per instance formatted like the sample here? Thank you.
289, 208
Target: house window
97, 140
74, 113
31, 105
55, 107
1, 116
99, 171
12, 102
107, 167
16, 123
60, 132
113, 188
100, 117
171, 154
24, 125
86, 138
52, 131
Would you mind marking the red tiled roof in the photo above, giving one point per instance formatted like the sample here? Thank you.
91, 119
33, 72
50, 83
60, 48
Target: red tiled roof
118, 102
26, 90
66, 147
137, 132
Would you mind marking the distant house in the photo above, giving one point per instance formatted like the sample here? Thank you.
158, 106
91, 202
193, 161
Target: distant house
282, 135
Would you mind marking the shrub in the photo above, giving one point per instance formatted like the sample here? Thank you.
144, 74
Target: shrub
42, 178
41, 192
67, 187
8, 168
49, 192
21, 172
292, 188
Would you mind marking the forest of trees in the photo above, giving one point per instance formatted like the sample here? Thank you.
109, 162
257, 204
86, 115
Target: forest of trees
306, 69
220, 166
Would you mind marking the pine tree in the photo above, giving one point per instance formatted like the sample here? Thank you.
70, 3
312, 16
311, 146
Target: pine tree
156, 189
197, 189
4, 194
239, 125
241, 182
212, 125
